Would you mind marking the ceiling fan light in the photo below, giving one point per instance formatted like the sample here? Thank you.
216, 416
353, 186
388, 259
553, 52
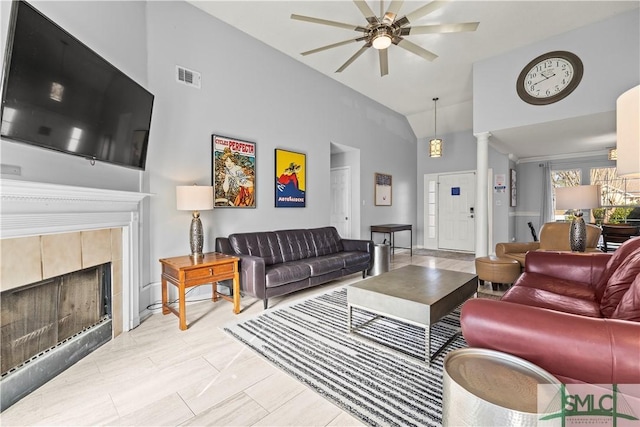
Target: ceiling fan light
435, 147
381, 40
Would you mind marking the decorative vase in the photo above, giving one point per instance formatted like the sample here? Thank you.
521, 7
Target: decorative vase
578, 233
196, 237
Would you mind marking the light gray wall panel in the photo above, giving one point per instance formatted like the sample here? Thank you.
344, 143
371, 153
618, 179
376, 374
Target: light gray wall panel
252, 92
611, 58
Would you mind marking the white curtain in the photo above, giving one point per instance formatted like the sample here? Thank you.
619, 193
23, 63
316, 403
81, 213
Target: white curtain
546, 207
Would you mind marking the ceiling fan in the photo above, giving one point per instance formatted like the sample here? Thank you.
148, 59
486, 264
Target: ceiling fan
381, 32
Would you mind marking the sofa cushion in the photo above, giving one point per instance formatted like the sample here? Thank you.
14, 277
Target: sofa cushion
545, 299
629, 307
352, 259
282, 274
626, 249
557, 286
619, 284
324, 264
261, 244
326, 241
295, 244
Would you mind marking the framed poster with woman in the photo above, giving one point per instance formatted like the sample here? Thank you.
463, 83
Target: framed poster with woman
233, 172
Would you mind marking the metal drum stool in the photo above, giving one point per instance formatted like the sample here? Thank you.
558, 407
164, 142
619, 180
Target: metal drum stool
484, 387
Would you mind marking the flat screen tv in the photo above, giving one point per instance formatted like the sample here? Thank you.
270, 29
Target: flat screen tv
61, 95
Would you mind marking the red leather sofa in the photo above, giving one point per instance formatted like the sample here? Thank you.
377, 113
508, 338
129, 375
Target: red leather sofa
575, 315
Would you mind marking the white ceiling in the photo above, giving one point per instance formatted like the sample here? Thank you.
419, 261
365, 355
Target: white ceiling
504, 26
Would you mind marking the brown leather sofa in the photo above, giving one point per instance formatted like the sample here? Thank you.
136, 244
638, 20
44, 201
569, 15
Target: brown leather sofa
554, 236
575, 315
275, 263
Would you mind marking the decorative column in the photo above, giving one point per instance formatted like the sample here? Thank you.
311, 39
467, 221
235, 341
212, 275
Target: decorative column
482, 205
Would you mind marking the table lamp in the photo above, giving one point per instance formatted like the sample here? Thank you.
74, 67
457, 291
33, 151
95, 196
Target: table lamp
577, 198
195, 198
628, 133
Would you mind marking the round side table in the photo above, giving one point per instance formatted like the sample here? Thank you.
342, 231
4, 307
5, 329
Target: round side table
488, 388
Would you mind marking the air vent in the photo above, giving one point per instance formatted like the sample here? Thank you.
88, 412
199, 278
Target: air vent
188, 77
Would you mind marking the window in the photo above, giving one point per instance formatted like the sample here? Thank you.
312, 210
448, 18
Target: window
564, 178
619, 196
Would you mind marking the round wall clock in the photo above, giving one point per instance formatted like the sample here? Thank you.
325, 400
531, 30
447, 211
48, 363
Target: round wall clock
549, 77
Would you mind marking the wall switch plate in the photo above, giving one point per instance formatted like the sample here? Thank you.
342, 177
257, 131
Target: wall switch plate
10, 170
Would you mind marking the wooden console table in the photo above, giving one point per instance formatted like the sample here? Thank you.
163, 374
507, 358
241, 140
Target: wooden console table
391, 229
183, 273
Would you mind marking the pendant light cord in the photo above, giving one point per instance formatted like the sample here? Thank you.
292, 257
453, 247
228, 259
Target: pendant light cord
435, 118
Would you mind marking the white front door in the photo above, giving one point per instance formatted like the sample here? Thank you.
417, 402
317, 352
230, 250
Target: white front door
341, 201
456, 217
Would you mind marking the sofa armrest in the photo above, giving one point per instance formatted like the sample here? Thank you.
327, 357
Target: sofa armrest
252, 270
252, 275
516, 247
357, 245
584, 268
587, 349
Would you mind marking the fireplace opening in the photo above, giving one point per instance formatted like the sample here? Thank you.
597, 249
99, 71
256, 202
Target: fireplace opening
43, 324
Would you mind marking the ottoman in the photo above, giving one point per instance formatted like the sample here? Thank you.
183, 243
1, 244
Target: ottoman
497, 270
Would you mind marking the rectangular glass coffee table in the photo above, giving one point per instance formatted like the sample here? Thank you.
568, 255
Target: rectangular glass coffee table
412, 294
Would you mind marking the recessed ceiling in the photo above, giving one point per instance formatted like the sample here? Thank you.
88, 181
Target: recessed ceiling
413, 82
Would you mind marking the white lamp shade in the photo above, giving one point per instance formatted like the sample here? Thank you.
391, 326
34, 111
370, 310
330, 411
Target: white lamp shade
628, 133
194, 197
578, 197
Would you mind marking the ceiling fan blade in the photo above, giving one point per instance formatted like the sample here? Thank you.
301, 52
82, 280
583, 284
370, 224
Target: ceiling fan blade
327, 22
391, 13
384, 62
353, 58
331, 46
439, 29
421, 11
366, 11
414, 48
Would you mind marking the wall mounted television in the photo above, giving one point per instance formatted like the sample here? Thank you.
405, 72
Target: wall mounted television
61, 95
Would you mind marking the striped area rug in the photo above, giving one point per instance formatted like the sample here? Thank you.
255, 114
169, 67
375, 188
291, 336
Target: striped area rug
309, 340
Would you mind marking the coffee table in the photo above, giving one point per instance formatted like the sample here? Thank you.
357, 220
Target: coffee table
417, 295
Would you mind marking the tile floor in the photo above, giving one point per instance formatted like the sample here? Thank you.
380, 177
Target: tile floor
158, 375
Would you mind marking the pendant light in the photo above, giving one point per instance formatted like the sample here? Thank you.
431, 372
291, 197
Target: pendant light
435, 145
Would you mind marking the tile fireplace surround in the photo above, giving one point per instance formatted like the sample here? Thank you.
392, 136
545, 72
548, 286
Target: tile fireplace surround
92, 225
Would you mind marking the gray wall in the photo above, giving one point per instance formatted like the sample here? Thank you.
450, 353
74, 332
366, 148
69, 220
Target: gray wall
249, 91
252, 92
611, 58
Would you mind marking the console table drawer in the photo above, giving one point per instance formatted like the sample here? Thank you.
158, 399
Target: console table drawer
215, 270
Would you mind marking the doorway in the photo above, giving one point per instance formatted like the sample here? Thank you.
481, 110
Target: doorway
449, 211
344, 190
341, 200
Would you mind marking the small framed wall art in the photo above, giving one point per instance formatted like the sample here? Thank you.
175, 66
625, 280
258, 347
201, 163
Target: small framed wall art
382, 189
290, 179
233, 172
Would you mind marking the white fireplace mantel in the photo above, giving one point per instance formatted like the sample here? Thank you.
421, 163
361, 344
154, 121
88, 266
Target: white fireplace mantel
32, 208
